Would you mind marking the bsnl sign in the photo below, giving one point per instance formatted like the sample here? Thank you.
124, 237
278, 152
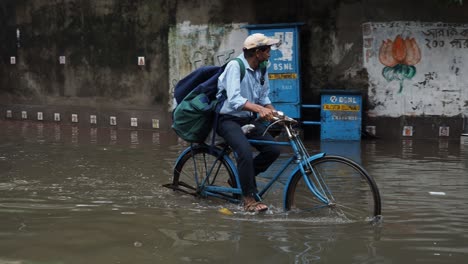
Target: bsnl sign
343, 99
283, 69
282, 66
340, 116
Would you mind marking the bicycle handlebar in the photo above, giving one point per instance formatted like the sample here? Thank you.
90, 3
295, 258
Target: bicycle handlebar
280, 117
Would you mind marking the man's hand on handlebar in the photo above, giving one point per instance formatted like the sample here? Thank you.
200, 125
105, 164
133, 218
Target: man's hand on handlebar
267, 113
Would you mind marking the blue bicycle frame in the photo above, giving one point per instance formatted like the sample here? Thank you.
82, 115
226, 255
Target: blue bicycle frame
300, 157
305, 174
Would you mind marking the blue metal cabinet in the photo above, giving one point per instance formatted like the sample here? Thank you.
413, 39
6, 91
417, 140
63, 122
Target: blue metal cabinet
283, 69
341, 114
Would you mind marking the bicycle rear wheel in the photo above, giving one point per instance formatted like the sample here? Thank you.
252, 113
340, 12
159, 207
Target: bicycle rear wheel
353, 194
192, 169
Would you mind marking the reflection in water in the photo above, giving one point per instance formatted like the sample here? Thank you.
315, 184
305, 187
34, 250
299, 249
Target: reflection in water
407, 148
67, 191
57, 133
350, 149
75, 135
93, 135
113, 136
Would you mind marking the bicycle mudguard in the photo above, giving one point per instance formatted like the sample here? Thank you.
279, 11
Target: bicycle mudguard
296, 169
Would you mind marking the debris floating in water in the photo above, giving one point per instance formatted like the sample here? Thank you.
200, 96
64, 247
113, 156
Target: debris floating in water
138, 244
225, 211
437, 193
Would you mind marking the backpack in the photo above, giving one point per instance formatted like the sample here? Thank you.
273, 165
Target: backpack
197, 105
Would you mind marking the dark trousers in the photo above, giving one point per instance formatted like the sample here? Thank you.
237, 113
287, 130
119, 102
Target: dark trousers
229, 127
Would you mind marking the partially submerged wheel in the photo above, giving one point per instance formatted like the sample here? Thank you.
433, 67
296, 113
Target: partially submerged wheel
191, 170
352, 192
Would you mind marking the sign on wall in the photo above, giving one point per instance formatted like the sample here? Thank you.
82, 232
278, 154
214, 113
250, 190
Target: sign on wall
194, 46
283, 69
416, 68
340, 116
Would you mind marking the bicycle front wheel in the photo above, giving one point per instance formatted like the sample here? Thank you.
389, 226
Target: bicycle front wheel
201, 167
351, 193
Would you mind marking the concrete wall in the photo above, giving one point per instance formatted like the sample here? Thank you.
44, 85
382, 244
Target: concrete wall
102, 40
418, 70
429, 75
193, 46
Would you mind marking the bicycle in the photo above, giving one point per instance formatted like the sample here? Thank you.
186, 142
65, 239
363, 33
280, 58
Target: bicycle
336, 185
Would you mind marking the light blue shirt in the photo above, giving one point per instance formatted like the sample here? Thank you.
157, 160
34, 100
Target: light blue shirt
238, 93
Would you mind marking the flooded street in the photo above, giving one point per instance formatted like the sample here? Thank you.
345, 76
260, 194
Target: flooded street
95, 195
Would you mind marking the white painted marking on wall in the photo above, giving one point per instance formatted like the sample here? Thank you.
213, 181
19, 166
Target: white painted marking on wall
9, 114
57, 117
408, 131
40, 116
371, 130
133, 122
113, 121
444, 131
74, 118
12, 60
155, 123
24, 115
18, 37
92, 119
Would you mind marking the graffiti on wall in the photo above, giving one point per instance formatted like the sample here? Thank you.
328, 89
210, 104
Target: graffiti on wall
416, 68
200, 58
194, 46
439, 37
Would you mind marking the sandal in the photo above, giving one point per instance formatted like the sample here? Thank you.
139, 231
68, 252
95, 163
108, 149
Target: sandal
255, 207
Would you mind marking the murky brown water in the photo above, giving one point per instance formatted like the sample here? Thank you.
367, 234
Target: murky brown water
71, 195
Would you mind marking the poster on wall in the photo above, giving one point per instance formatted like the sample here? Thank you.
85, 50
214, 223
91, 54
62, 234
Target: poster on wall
416, 68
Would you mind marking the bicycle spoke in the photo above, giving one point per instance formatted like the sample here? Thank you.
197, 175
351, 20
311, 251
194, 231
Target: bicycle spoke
199, 168
349, 211
351, 192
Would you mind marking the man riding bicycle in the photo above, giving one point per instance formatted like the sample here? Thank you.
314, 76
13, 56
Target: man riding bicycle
245, 100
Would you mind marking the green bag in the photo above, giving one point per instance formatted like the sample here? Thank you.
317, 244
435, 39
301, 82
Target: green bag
193, 117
